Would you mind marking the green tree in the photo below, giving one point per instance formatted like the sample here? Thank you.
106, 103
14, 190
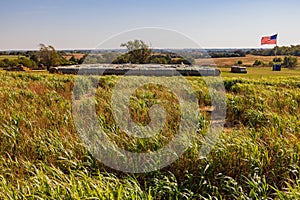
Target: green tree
258, 63
3, 64
34, 57
7, 62
239, 62
138, 51
49, 56
290, 61
159, 60
27, 62
82, 59
277, 60
73, 60
179, 60
13, 63
121, 59
134, 45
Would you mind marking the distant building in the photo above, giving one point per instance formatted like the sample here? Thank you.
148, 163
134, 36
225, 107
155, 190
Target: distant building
238, 69
138, 70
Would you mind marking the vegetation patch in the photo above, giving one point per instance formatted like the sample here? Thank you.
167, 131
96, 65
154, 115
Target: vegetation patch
256, 157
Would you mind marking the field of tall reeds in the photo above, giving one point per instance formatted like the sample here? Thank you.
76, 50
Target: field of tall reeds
257, 155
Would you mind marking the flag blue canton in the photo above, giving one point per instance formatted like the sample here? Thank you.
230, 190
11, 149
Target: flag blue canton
273, 37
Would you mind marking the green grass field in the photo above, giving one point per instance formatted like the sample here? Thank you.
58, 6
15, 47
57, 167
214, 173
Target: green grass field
9, 57
261, 72
256, 157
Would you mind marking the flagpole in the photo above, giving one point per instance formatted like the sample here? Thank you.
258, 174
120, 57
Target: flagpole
276, 46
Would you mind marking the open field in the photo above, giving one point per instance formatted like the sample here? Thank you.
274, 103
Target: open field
248, 60
76, 56
9, 57
260, 72
256, 157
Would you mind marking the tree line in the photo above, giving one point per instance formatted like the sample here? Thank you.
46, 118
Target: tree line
288, 62
293, 50
140, 53
227, 53
45, 58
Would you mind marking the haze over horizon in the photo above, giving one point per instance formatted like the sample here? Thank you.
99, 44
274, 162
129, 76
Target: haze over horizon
84, 24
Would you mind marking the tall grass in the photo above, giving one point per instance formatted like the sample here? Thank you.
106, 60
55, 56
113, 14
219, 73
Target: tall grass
42, 157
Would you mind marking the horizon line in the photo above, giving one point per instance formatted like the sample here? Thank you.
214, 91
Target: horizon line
93, 49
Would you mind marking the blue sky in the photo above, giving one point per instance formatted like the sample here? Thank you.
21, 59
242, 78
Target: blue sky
68, 24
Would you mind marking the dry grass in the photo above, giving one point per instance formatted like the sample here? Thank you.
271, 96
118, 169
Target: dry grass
76, 55
257, 156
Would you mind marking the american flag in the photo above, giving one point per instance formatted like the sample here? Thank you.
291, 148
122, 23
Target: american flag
269, 39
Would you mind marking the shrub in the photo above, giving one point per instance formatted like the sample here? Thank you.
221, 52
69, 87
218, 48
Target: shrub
290, 61
277, 60
3, 64
239, 62
258, 63
27, 62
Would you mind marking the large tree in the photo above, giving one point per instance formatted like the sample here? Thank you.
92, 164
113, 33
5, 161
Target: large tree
138, 51
49, 56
